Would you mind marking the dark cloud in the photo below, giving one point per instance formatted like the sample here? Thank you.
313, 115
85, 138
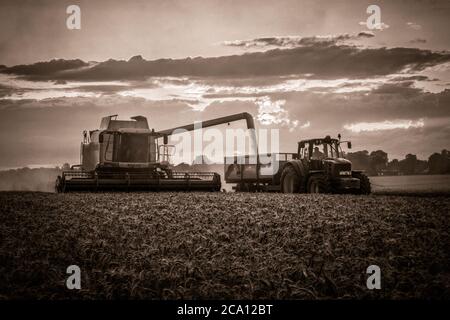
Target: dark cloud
46, 69
6, 90
366, 34
103, 89
411, 78
418, 41
325, 61
414, 26
404, 88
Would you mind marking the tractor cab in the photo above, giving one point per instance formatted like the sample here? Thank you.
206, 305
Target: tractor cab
321, 149
325, 154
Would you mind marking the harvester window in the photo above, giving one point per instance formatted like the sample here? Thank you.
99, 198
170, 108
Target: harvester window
133, 148
108, 139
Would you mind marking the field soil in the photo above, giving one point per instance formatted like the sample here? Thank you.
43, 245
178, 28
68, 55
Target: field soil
223, 245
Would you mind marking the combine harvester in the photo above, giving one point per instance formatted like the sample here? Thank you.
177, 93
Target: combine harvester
126, 155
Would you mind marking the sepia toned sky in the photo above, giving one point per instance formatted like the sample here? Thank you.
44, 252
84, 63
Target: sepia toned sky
307, 68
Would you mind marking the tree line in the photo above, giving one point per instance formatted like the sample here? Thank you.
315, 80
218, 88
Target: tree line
377, 163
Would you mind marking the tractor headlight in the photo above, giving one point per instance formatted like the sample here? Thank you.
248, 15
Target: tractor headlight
345, 173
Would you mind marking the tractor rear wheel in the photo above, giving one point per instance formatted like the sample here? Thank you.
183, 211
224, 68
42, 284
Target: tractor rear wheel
319, 183
364, 183
290, 181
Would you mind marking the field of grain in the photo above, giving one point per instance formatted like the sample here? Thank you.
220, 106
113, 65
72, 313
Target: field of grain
223, 245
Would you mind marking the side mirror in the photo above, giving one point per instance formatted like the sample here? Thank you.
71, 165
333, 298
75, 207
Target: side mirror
349, 145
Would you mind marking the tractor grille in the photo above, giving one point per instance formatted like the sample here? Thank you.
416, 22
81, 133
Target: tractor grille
342, 167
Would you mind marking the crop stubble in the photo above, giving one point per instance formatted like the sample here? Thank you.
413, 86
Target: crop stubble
223, 246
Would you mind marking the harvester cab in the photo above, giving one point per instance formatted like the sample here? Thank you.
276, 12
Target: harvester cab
120, 144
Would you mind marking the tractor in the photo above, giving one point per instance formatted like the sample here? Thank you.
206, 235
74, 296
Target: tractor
318, 166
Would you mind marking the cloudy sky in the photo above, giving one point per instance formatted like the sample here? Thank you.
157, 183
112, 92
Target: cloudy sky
308, 68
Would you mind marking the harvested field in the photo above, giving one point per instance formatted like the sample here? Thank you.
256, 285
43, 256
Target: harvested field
223, 245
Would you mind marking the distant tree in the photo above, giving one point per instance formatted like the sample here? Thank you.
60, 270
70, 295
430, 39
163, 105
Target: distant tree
360, 160
421, 167
408, 165
446, 161
65, 167
439, 163
378, 161
434, 163
393, 165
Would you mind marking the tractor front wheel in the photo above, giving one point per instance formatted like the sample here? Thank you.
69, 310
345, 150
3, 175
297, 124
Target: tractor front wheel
319, 183
364, 183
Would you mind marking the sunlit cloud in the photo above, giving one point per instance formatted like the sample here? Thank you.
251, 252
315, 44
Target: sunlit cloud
49, 94
307, 124
385, 125
414, 26
273, 112
379, 26
39, 90
199, 95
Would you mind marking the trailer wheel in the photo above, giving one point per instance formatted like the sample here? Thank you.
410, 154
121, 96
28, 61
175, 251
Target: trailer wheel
319, 183
290, 180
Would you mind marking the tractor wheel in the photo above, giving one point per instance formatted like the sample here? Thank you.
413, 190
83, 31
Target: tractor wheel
319, 183
291, 182
364, 183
